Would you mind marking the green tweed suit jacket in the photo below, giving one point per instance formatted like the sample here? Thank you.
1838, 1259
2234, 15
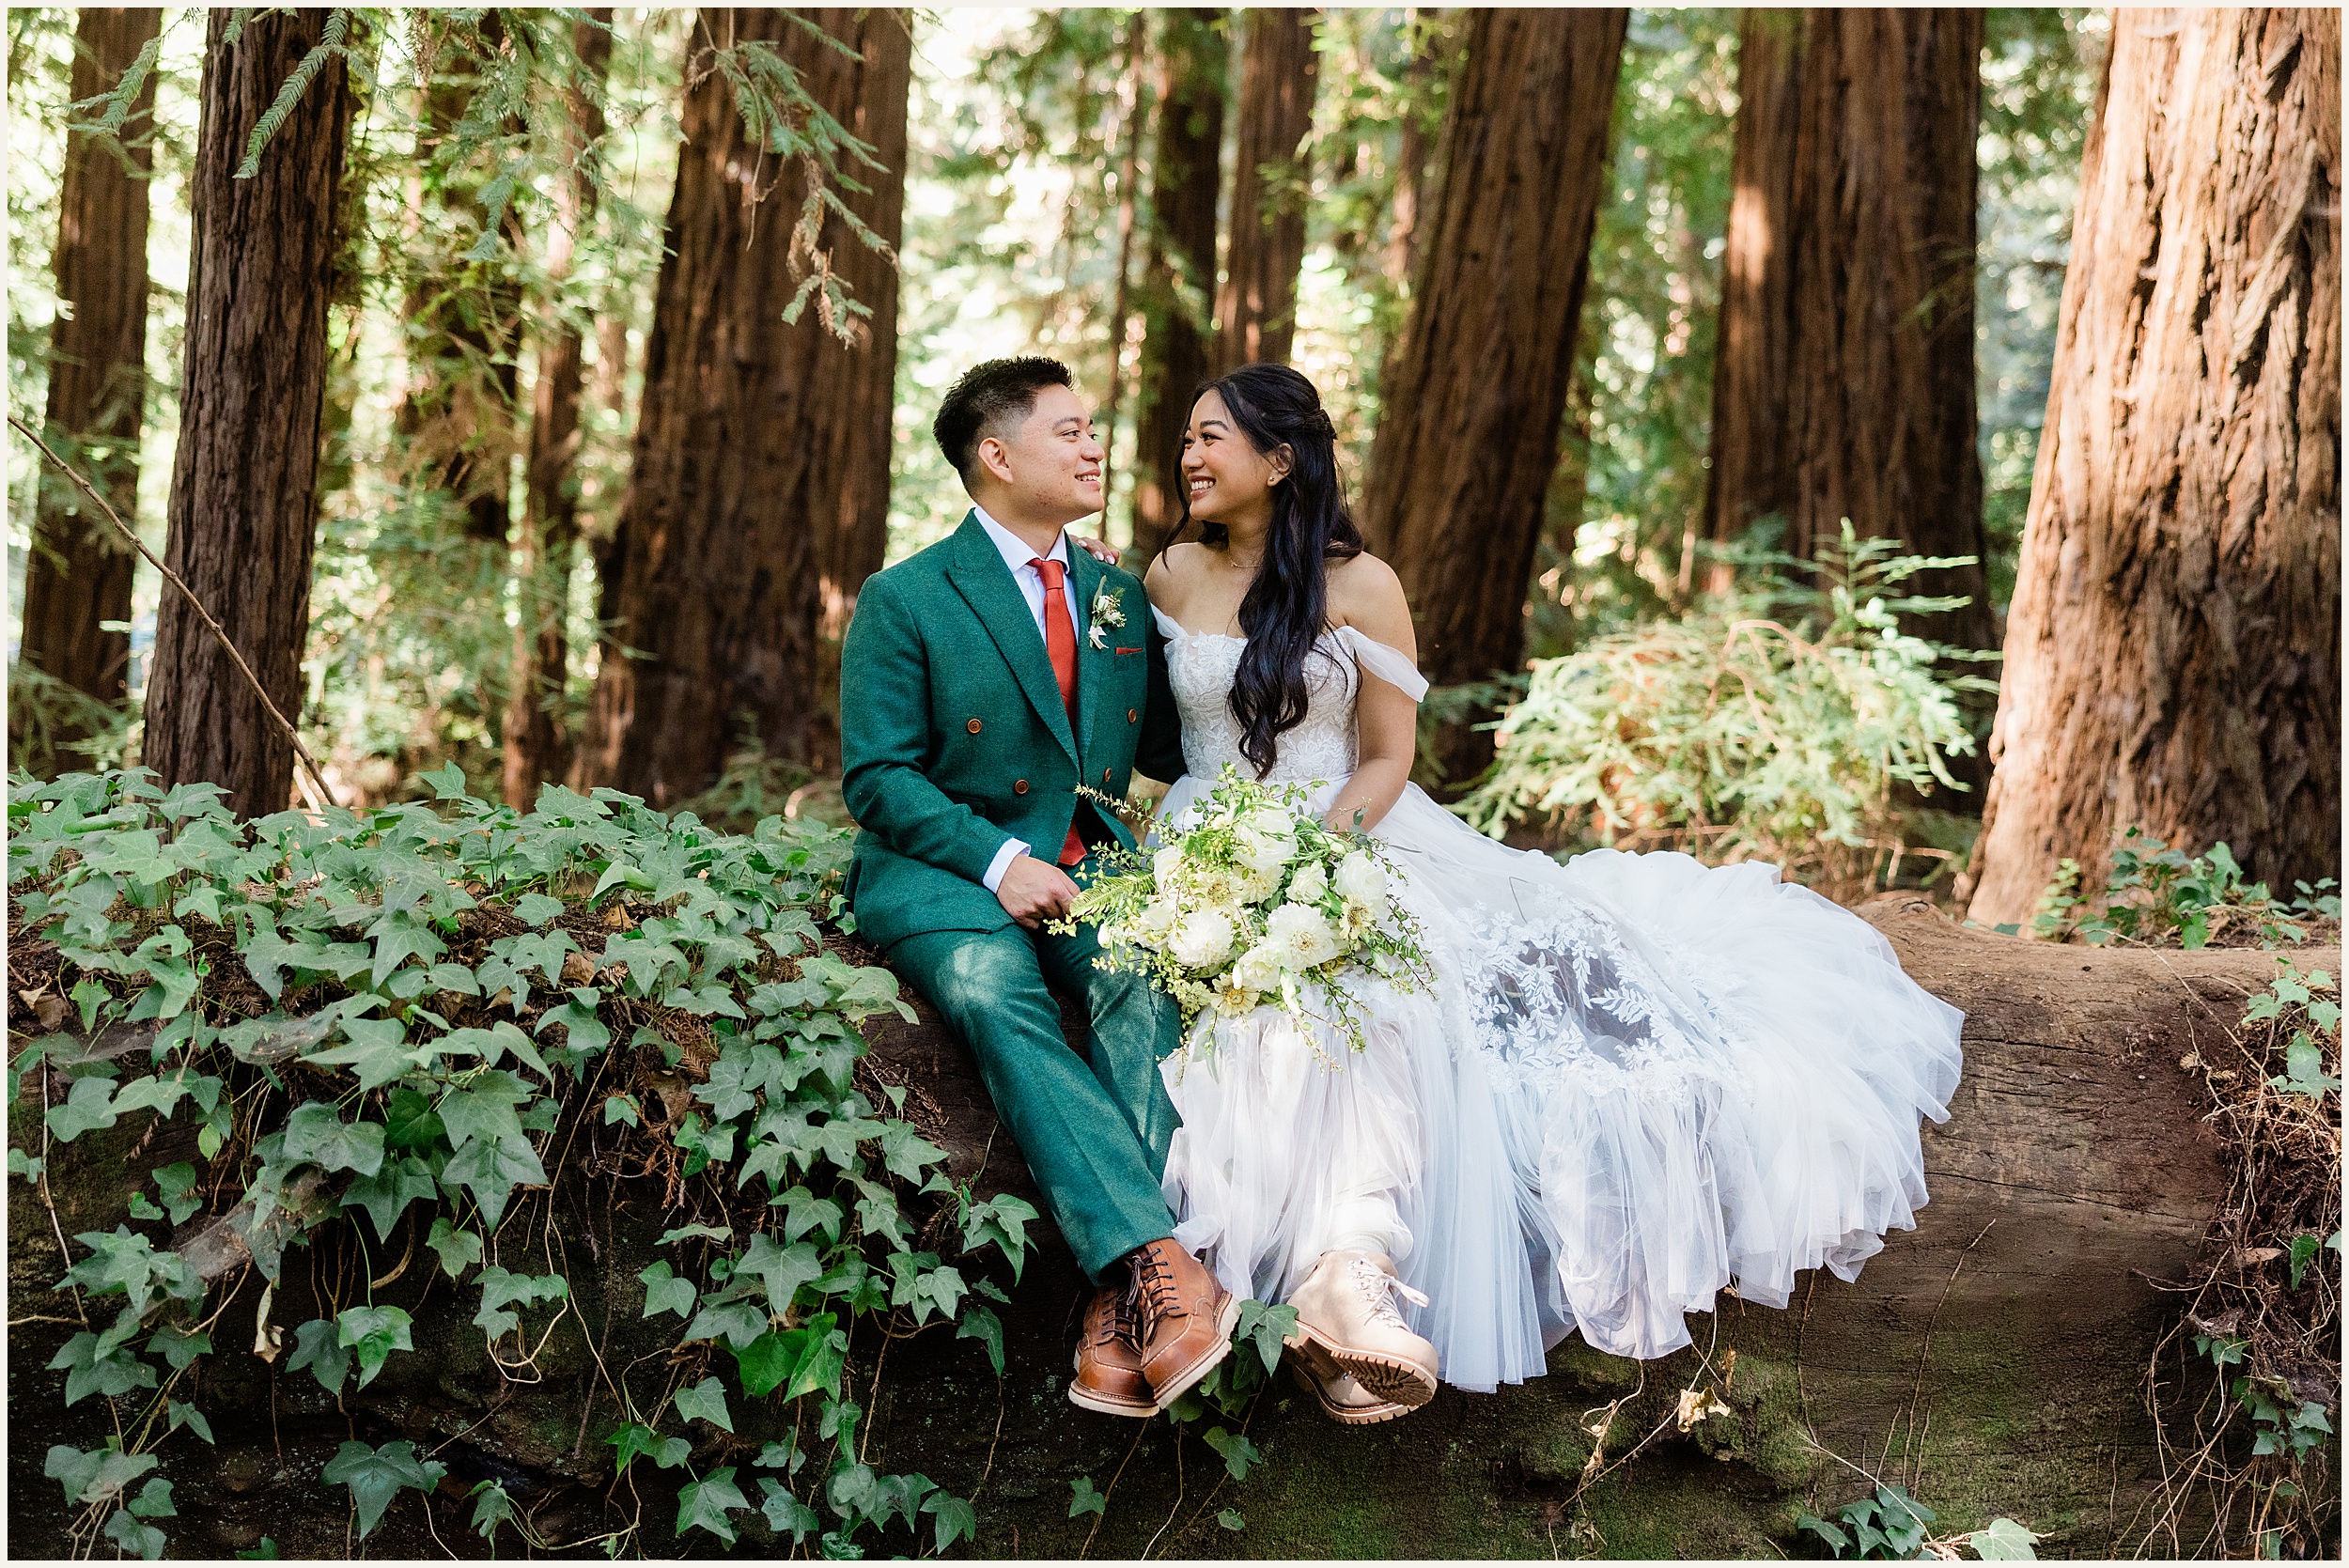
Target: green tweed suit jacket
954, 739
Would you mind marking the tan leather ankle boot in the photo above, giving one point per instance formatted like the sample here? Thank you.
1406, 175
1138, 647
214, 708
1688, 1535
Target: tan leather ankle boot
1108, 1359
1346, 1307
1186, 1318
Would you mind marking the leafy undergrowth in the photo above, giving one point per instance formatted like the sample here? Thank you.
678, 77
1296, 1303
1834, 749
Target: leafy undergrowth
398, 1017
2245, 1388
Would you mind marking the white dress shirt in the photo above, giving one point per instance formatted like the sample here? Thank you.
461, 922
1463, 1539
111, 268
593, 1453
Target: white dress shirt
1018, 554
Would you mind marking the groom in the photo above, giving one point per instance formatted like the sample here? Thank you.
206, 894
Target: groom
982, 682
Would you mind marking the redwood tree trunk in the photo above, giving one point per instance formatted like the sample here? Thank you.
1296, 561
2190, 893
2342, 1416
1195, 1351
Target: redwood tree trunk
1880, 371
78, 572
1400, 258
1469, 437
1178, 284
1750, 476
547, 538
2172, 655
1255, 312
759, 498
243, 485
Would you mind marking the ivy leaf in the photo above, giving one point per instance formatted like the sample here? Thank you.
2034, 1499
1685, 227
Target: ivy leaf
981, 1324
190, 1417
1083, 1499
705, 1504
631, 1440
501, 1288
1240, 1454
458, 1249
666, 1292
492, 1508
375, 1476
483, 1110
178, 1347
802, 1210
1265, 1328
410, 1121
2004, 1541
88, 1108
386, 1194
375, 1049
318, 1346
582, 1029
315, 1134
94, 1475
154, 1500
129, 1533
1230, 1519
374, 1332
400, 935
956, 1520
786, 1511
768, 1361
491, 1172
536, 908
177, 1184
706, 1400
782, 1270
102, 1365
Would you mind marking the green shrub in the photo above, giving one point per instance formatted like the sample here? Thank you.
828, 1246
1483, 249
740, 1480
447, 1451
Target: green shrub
2157, 895
371, 1011
1788, 723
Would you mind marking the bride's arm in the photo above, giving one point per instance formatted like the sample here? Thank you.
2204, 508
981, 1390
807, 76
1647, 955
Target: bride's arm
1365, 594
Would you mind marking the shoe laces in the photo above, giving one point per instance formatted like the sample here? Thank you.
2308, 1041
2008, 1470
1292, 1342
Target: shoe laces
1380, 1288
1119, 1323
1153, 1293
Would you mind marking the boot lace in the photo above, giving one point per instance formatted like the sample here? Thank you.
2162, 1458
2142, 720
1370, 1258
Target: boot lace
1152, 1294
1380, 1289
1119, 1323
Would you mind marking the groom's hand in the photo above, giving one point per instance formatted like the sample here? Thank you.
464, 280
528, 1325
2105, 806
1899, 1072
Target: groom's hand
1033, 891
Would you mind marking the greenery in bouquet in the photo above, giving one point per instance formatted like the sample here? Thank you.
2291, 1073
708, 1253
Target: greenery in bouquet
1251, 900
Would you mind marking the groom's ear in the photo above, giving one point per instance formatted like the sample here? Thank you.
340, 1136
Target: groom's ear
992, 458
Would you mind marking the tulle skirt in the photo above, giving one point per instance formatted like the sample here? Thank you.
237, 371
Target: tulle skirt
1636, 1080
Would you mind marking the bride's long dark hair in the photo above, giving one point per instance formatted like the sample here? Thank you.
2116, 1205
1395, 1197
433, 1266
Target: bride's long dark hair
1287, 605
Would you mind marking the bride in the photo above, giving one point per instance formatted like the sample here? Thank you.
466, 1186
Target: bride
1638, 1081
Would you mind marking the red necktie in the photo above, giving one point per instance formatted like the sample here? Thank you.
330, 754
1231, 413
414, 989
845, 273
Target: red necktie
1060, 645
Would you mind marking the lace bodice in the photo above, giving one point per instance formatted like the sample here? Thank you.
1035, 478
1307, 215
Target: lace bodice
1324, 746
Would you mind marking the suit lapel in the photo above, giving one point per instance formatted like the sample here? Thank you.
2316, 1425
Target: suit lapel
1094, 663
978, 574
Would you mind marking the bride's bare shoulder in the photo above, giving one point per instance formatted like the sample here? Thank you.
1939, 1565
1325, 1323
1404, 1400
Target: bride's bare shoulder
1365, 594
1174, 571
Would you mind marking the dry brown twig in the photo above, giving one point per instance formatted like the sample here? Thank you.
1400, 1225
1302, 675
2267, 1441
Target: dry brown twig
317, 779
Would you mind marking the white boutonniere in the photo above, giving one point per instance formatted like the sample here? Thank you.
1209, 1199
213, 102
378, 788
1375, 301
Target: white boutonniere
1109, 609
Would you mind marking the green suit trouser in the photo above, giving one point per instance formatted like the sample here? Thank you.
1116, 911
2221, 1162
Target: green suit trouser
1095, 1136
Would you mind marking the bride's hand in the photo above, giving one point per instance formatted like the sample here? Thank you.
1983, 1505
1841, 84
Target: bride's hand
1100, 550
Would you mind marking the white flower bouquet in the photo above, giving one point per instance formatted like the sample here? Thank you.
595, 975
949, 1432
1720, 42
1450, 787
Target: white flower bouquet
1255, 901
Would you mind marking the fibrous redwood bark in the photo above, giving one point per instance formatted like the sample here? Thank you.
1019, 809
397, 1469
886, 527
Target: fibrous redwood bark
78, 573
2172, 655
1178, 281
1748, 474
243, 485
1468, 438
546, 537
757, 501
1255, 311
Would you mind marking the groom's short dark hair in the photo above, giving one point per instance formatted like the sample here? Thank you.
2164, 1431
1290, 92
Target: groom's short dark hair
990, 401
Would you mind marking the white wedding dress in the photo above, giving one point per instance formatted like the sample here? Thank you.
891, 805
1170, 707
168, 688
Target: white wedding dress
1636, 1080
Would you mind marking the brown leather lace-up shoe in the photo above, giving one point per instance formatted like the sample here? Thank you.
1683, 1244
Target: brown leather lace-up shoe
1108, 1359
1186, 1318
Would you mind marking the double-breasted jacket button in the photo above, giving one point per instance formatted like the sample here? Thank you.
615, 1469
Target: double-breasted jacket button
1131, 716
972, 726
1105, 775
1019, 787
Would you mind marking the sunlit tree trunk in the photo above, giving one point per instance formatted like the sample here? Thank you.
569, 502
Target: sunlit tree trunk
244, 481
547, 536
758, 501
1467, 440
78, 573
1255, 312
1178, 285
1748, 478
1121, 293
1401, 254
2172, 655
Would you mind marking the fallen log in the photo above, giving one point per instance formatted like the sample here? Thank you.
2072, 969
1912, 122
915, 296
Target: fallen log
1994, 1360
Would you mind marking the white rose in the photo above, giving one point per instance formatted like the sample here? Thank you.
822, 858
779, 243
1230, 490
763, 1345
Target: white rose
1272, 822
1155, 921
1201, 939
1254, 887
1166, 865
1360, 880
1259, 968
1300, 936
1258, 852
1309, 884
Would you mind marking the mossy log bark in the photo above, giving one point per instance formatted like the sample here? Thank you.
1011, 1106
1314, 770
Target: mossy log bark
1994, 1360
